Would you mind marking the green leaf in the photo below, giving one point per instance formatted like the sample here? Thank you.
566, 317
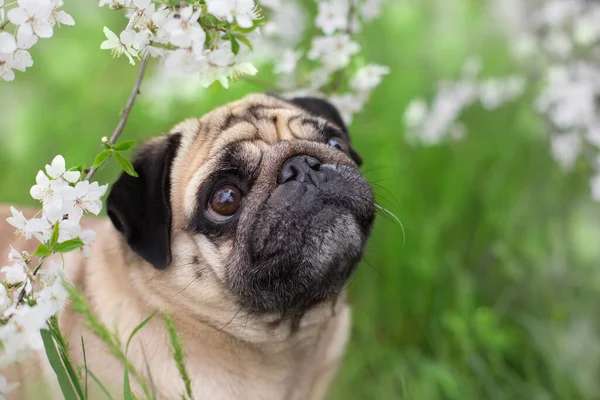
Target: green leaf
57, 366
42, 251
123, 146
79, 168
54, 238
137, 329
126, 165
102, 157
255, 24
235, 46
243, 39
209, 19
100, 385
66, 360
69, 245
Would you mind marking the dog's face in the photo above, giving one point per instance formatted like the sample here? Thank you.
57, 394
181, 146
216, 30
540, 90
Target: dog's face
259, 204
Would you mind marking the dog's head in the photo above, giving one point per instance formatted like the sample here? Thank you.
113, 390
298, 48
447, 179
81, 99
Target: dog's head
260, 204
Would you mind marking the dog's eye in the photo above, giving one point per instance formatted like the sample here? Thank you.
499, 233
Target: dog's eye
337, 143
224, 202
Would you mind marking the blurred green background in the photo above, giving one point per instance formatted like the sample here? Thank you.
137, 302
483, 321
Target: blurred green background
494, 294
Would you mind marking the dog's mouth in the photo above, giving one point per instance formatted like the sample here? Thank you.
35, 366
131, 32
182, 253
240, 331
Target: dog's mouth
305, 242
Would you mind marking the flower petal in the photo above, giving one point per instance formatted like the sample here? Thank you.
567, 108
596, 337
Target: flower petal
8, 44
17, 16
64, 18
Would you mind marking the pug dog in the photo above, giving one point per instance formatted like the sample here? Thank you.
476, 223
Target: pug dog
244, 226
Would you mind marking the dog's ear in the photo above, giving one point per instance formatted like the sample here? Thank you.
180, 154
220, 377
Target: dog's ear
140, 208
323, 108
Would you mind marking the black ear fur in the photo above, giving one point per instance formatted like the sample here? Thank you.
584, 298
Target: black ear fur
323, 108
140, 208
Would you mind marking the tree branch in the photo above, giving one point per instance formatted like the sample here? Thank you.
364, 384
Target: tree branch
119, 129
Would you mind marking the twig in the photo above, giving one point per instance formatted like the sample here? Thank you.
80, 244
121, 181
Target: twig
213, 27
35, 270
126, 111
4, 25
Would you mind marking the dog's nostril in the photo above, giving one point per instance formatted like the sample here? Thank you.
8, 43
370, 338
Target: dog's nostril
313, 163
299, 168
288, 174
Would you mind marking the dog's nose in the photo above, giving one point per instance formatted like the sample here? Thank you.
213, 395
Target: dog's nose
302, 169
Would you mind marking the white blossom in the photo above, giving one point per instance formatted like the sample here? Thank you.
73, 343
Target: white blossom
120, 45
415, 113
431, 125
5, 300
57, 169
15, 273
88, 236
36, 294
368, 77
370, 9
53, 297
60, 16
242, 11
85, 197
333, 15
288, 61
19, 60
566, 148
15, 256
286, 25
8, 43
347, 104
333, 52
17, 220
494, 92
33, 17
185, 29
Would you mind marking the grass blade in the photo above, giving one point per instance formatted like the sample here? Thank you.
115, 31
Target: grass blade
178, 356
126, 383
137, 329
85, 369
58, 367
63, 351
127, 395
149, 373
100, 385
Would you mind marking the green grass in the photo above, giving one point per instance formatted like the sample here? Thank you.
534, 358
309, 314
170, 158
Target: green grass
494, 293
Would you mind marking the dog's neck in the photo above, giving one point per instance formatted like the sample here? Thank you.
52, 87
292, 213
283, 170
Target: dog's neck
222, 344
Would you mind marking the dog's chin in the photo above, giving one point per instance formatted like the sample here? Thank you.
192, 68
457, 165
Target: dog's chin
306, 243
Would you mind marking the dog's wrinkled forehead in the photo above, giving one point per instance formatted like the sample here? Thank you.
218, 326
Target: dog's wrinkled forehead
240, 133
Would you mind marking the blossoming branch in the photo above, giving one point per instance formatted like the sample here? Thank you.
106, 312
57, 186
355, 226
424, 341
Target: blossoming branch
30, 20
210, 38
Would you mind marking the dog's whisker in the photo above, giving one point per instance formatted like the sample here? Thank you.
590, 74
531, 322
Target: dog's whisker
187, 286
372, 267
365, 171
229, 322
393, 216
